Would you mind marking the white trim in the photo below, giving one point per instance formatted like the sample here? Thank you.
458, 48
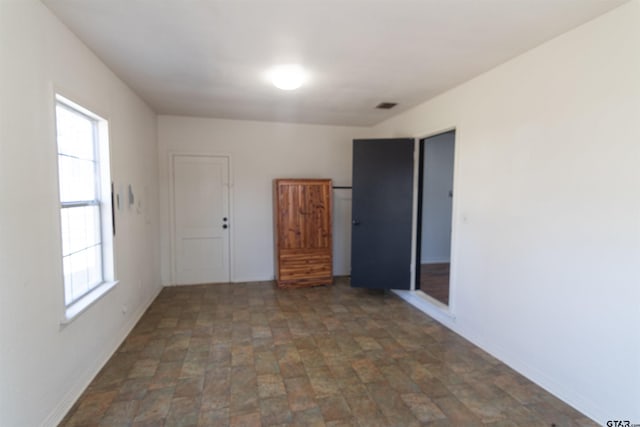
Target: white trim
80, 306
414, 214
428, 305
232, 270
77, 101
438, 132
453, 255
172, 221
172, 233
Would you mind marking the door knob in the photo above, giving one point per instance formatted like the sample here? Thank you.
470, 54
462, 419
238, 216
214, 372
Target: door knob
225, 226
355, 222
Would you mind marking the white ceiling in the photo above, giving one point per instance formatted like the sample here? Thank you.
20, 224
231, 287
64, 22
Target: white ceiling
208, 57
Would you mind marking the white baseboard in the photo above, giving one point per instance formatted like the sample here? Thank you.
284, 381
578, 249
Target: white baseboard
76, 389
253, 279
236, 280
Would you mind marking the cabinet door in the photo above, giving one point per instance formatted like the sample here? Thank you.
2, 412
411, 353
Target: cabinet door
317, 215
304, 214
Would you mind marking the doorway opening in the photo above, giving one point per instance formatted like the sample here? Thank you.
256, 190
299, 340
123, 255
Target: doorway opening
435, 204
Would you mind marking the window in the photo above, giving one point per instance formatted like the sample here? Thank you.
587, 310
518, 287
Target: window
85, 204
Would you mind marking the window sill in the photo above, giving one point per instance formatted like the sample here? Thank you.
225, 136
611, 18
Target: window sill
76, 309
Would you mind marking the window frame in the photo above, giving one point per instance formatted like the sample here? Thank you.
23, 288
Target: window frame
73, 306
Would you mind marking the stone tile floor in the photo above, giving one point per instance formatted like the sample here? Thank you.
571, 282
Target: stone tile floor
254, 355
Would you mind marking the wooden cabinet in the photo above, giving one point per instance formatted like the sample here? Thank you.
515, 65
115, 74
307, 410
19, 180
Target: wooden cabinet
303, 243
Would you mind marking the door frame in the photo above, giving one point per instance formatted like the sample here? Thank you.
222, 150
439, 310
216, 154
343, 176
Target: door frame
172, 220
443, 309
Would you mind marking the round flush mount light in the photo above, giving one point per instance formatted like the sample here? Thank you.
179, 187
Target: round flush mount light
288, 77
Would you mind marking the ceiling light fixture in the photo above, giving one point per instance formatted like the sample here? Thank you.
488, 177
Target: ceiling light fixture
288, 77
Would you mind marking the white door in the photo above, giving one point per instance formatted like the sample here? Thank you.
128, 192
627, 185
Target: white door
201, 219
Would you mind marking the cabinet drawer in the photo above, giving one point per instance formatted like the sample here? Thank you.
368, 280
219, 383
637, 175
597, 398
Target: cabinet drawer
296, 270
303, 270
305, 258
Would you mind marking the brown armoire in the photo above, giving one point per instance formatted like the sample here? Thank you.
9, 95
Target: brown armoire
303, 241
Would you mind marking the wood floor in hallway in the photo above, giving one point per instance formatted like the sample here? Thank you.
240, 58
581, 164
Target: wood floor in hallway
434, 281
250, 354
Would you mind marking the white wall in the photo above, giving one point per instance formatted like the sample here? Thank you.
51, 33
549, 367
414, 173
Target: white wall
43, 366
437, 182
546, 251
260, 152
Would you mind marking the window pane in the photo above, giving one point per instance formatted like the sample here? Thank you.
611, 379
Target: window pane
68, 285
94, 265
79, 276
77, 179
77, 230
80, 228
66, 235
75, 134
82, 272
93, 227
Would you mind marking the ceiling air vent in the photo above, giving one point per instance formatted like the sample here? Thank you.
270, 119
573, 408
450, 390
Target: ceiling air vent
386, 105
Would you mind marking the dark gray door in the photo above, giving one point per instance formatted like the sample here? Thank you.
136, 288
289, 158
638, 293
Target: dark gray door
382, 207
